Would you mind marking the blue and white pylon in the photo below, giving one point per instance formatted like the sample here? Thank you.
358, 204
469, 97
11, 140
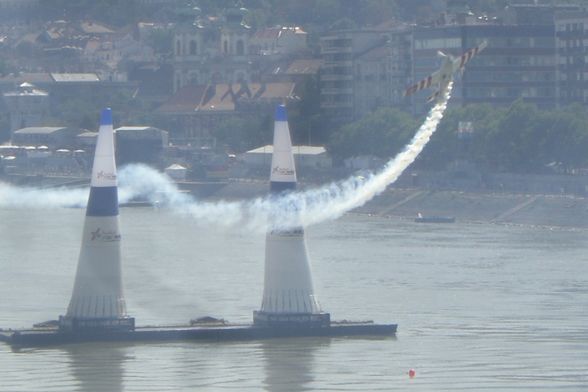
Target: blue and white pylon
288, 294
97, 300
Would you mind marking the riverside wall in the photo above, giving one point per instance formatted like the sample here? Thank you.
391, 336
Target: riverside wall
552, 200
544, 200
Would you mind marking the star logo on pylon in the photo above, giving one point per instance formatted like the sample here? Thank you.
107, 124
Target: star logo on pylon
95, 234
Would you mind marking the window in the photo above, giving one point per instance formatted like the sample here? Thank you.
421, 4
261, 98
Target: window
193, 48
437, 43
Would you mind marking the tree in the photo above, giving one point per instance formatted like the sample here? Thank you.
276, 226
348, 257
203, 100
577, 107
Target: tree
382, 134
519, 138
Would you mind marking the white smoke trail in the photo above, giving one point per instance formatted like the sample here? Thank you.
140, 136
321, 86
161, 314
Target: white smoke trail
287, 211
140, 182
334, 200
29, 197
136, 181
317, 205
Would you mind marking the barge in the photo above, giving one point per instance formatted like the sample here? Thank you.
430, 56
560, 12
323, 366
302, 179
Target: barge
54, 336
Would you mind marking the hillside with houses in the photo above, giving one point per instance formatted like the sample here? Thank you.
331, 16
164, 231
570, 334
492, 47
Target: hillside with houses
194, 83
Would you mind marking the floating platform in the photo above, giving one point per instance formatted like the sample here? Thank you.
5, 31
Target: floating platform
52, 336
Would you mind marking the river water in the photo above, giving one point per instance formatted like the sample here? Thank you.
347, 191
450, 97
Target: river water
478, 306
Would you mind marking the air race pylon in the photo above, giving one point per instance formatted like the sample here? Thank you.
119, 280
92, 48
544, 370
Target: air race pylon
97, 302
288, 294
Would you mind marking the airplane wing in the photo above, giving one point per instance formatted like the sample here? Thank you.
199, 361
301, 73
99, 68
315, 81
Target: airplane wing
461, 61
427, 82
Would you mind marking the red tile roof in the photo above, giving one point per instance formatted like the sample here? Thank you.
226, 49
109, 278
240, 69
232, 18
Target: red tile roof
186, 99
304, 67
222, 97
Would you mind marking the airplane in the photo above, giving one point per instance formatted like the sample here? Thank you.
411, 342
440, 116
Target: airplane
444, 75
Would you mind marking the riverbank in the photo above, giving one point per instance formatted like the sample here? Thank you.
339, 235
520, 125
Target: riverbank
528, 209
404, 201
496, 207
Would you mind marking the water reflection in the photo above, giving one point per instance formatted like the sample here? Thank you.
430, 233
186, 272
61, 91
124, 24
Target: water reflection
289, 363
97, 367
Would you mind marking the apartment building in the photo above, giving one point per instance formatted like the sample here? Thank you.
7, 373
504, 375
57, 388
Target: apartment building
518, 62
339, 51
535, 52
380, 74
571, 30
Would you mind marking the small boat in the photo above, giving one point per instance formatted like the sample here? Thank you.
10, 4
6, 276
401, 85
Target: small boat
433, 219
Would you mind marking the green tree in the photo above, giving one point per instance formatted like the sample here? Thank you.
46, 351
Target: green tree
567, 137
519, 138
382, 134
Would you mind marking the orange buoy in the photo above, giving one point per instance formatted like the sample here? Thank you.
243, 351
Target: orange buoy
411, 373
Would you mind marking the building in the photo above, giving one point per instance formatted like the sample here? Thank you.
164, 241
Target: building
146, 29
211, 50
571, 31
41, 80
363, 69
140, 145
197, 110
110, 53
533, 13
518, 62
28, 106
369, 68
52, 137
380, 74
300, 69
533, 50
64, 87
338, 50
279, 40
87, 140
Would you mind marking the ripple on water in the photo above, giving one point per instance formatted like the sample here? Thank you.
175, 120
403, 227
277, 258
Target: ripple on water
479, 307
